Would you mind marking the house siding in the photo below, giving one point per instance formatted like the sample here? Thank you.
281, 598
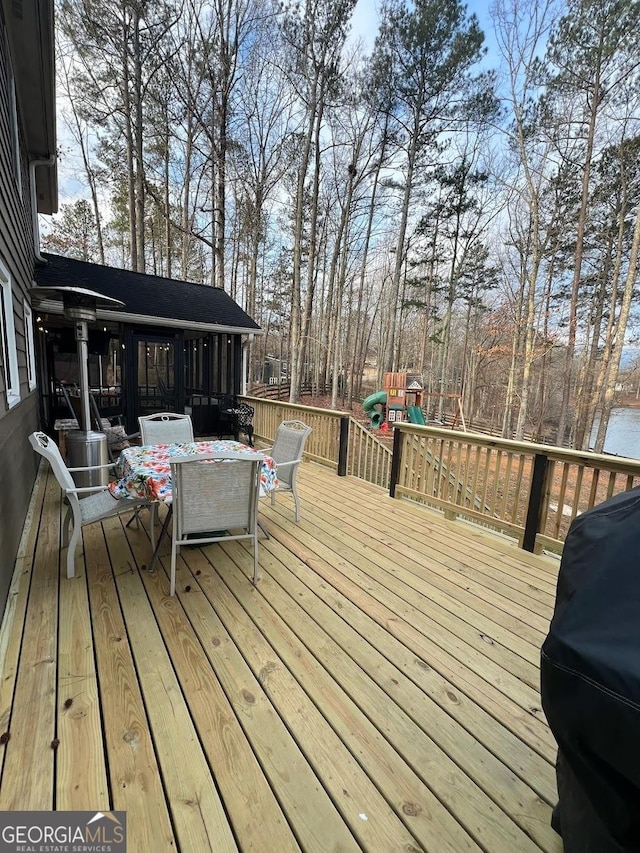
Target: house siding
18, 464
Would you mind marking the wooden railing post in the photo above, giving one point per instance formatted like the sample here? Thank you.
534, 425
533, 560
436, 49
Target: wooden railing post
536, 495
395, 462
343, 450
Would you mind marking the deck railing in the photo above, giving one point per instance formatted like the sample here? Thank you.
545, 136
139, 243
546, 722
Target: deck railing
328, 442
337, 439
529, 491
369, 459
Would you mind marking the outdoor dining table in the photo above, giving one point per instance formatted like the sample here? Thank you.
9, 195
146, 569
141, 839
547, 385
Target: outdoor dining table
145, 472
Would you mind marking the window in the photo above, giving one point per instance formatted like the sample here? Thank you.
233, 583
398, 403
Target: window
30, 345
9, 351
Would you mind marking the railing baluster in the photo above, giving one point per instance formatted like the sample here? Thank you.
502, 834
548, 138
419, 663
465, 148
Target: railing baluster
518, 490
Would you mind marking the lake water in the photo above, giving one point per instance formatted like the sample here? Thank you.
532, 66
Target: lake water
623, 433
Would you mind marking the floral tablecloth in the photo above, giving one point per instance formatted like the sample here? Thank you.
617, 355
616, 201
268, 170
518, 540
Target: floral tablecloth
145, 472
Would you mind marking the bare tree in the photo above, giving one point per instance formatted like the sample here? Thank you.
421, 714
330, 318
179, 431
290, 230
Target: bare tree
423, 56
80, 131
117, 49
591, 54
315, 36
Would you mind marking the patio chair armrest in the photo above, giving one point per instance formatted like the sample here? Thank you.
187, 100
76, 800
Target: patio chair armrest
93, 467
83, 490
281, 465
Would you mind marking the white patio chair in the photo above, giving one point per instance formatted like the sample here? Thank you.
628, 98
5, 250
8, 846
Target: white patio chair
166, 428
98, 504
287, 450
218, 495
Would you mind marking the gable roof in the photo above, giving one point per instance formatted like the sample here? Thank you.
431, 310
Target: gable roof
148, 299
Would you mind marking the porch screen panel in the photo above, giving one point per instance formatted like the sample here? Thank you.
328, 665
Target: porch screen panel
194, 355
156, 376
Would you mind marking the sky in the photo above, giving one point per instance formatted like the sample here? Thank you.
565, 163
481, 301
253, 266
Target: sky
364, 23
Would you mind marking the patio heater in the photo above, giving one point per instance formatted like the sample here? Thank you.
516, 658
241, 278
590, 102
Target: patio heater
85, 446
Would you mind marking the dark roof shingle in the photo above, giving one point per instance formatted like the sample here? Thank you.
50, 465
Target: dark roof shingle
147, 295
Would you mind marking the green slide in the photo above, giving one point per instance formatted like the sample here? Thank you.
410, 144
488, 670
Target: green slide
373, 407
414, 413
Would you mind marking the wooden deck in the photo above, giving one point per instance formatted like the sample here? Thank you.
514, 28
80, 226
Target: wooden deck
378, 690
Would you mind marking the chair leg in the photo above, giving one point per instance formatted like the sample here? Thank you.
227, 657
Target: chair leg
65, 527
255, 558
174, 555
297, 503
163, 530
264, 530
153, 520
71, 552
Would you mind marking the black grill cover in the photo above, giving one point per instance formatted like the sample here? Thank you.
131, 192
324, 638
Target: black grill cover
590, 680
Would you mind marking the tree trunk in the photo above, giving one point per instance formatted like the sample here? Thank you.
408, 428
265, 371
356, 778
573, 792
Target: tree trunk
295, 332
618, 344
138, 145
129, 154
390, 349
305, 319
594, 103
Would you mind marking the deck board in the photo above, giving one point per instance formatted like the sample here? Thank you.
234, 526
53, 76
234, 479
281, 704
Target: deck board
450, 597
382, 659
376, 691
252, 806
32, 721
135, 782
79, 723
421, 690
374, 578
11, 627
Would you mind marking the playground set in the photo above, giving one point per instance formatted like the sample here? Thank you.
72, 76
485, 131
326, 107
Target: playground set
402, 400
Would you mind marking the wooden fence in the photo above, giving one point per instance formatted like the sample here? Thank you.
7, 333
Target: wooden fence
281, 391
